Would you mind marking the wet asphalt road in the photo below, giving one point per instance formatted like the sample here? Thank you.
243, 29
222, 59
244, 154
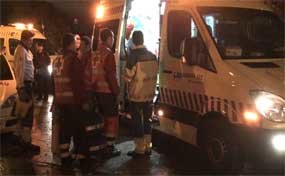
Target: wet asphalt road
14, 162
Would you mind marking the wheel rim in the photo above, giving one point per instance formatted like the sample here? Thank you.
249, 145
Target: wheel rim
216, 149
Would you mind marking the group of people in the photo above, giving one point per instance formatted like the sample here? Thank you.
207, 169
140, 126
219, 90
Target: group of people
85, 95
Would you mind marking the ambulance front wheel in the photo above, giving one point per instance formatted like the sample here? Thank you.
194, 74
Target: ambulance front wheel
219, 147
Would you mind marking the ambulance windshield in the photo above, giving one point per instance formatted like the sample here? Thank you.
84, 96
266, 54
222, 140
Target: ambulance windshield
144, 16
245, 33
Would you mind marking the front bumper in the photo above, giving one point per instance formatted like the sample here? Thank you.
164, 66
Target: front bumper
261, 144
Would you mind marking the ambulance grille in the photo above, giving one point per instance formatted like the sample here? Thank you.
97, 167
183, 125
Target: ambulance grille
260, 64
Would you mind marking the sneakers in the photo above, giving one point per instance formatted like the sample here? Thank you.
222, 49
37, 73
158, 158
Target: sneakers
66, 163
112, 151
148, 152
135, 154
39, 98
31, 148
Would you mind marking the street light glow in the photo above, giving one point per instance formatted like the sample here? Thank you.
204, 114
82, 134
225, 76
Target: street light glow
30, 26
100, 11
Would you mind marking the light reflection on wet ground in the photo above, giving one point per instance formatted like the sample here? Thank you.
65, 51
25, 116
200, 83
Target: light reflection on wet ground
47, 164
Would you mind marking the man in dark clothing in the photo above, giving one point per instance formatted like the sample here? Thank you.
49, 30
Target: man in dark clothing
141, 76
69, 100
41, 63
106, 88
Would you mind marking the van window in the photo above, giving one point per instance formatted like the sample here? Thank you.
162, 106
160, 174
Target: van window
241, 33
5, 72
178, 27
195, 50
13, 45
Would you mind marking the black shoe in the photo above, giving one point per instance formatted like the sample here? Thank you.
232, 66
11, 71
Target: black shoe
45, 99
39, 98
135, 154
31, 148
148, 152
84, 166
111, 152
66, 163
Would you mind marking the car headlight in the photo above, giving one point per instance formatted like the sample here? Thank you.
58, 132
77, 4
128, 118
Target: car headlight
270, 106
9, 102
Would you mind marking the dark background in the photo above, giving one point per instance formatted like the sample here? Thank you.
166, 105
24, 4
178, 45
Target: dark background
57, 16
52, 17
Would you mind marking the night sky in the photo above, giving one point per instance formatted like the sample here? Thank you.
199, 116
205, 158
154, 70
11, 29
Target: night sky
80, 9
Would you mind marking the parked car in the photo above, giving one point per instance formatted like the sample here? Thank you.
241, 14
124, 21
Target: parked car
8, 94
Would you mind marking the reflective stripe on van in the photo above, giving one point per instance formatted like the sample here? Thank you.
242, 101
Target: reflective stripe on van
202, 103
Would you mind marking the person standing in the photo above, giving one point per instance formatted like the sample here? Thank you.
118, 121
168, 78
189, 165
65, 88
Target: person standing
107, 89
24, 74
69, 101
94, 124
41, 62
141, 76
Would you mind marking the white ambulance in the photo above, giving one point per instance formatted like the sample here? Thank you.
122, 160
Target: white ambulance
10, 37
221, 79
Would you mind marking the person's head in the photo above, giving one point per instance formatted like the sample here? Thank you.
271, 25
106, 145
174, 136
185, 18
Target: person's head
40, 47
129, 30
107, 37
138, 38
3, 50
85, 44
68, 42
27, 38
77, 41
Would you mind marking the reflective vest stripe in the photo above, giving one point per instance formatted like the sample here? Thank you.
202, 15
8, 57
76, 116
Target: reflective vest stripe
63, 91
94, 127
62, 80
64, 155
64, 146
99, 74
78, 156
64, 94
97, 147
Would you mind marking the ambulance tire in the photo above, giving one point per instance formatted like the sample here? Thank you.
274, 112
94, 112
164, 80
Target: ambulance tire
220, 150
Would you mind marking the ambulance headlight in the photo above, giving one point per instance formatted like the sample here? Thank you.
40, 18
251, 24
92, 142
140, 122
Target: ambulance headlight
270, 106
278, 142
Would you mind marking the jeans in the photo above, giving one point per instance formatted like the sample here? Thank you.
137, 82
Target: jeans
141, 113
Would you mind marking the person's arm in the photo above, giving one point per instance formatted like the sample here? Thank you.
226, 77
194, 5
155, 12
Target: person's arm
48, 59
75, 73
110, 69
19, 65
130, 69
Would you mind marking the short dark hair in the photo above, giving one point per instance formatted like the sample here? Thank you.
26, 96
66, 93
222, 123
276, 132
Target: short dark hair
86, 40
41, 44
26, 34
138, 38
67, 40
105, 34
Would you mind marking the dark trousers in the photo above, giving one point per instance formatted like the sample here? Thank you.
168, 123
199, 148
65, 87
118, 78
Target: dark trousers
108, 108
141, 114
43, 85
72, 126
26, 94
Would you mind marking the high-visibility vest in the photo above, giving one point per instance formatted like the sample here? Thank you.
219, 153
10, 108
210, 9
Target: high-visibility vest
88, 76
98, 72
63, 91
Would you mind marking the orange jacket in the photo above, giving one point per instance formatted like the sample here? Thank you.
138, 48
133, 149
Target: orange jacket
68, 74
104, 71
